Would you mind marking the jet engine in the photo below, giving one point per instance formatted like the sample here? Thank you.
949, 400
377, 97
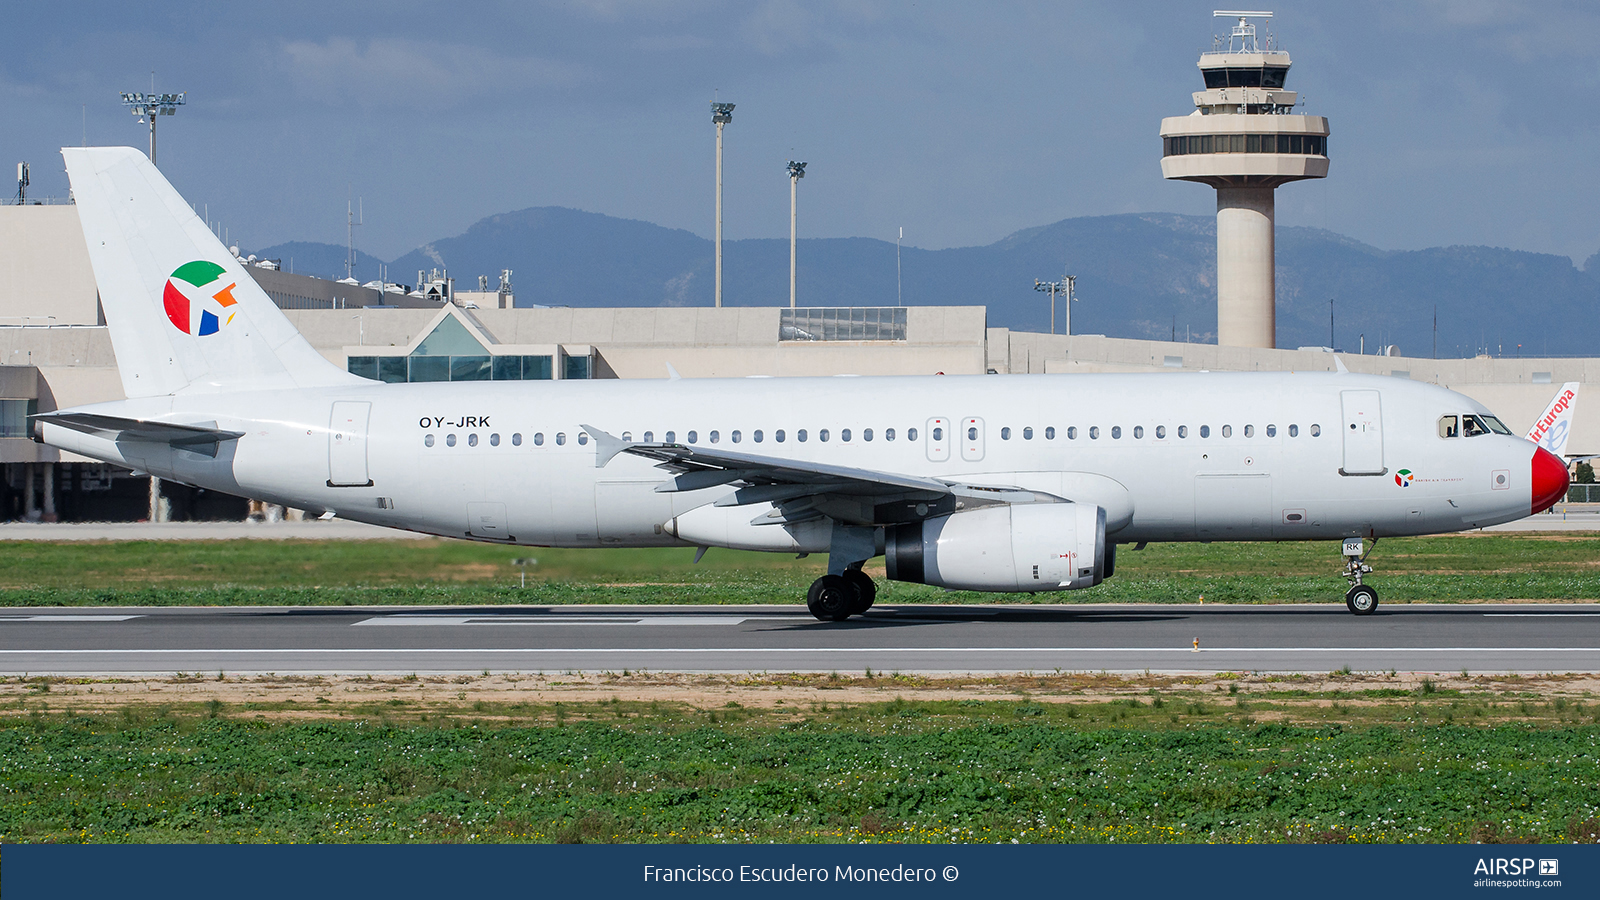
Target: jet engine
1021, 547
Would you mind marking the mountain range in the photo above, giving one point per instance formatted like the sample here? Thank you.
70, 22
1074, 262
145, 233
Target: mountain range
1143, 275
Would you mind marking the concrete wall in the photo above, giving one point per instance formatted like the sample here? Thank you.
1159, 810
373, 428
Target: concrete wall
44, 267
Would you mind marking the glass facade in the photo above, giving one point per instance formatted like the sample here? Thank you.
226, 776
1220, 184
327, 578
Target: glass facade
14, 417
846, 323
1258, 76
399, 369
1301, 144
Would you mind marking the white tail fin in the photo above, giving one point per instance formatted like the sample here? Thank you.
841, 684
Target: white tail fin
183, 314
1550, 430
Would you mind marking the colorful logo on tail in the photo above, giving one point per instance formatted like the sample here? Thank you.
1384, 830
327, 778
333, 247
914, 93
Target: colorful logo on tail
1403, 478
199, 299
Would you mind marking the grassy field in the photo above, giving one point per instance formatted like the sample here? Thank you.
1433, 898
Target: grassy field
1468, 567
1271, 763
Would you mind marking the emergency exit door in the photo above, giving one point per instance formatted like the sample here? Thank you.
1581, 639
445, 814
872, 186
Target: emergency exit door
347, 444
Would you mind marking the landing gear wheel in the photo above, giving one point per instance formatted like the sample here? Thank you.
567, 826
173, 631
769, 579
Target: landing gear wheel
1362, 599
865, 590
831, 598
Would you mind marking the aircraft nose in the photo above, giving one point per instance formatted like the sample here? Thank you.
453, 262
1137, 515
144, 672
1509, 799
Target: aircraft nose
1549, 479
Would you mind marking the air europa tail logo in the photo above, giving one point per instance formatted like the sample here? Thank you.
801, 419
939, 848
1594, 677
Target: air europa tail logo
199, 299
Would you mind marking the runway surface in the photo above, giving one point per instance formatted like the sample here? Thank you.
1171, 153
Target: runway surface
1116, 638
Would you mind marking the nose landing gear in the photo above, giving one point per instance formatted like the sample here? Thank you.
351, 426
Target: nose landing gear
1361, 599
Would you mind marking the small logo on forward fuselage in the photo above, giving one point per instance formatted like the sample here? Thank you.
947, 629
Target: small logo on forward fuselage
1404, 478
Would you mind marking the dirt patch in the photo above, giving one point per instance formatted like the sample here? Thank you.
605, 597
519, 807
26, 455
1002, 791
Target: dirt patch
489, 696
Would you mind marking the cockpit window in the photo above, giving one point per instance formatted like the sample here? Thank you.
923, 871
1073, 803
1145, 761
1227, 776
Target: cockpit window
1449, 427
1472, 426
1496, 425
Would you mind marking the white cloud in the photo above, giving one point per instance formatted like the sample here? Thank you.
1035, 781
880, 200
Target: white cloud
396, 72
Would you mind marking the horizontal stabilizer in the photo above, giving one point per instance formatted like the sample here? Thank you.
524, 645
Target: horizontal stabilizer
119, 429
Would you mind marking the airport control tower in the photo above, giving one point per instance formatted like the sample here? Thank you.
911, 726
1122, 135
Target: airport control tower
1244, 140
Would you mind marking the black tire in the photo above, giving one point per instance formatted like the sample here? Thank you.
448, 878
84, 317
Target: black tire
866, 590
831, 598
1362, 599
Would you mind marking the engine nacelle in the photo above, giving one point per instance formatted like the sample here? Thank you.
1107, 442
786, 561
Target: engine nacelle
1019, 547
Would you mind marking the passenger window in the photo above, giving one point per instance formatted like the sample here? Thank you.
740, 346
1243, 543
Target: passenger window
735, 436
866, 434
1116, 432
472, 440
449, 440
778, 435
938, 434
649, 437
759, 437
1005, 433
427, 440
694, 437
1272, 431
1472, 426
1449, 427
972, 434
1094, 432
538, 439
911, 434
1027, 433
1249, 431
888, 434
1161, 432
822, 434
626, 435
800, 435
516, 439
1205, 431
672, 437
583, 437
1072, 432
844, 434
1050, 433
1294, 431
1183, 431
715, 436
1227, 431
1316, 431
1138, 432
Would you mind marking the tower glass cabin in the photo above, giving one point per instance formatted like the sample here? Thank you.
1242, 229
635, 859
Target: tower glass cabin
1244, 139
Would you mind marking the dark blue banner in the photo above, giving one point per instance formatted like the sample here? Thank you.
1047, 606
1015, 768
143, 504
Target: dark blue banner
181, 872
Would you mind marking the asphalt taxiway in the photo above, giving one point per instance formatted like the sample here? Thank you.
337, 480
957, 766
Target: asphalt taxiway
1535, 638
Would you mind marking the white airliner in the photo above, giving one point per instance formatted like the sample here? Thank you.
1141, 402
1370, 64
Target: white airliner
987, 483
1553, 426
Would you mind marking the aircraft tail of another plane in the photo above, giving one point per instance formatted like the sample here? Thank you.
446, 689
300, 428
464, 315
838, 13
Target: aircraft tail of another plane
184, 315
1550, 430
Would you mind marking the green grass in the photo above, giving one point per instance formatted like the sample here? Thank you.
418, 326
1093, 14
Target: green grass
951, 771
163, 573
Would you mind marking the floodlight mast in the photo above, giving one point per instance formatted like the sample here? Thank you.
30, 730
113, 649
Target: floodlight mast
152, 105
721, 114
797, 171
1064, 286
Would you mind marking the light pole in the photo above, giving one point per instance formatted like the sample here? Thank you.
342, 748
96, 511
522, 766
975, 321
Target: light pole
721, 114
797, 171
1064, 286
152, 105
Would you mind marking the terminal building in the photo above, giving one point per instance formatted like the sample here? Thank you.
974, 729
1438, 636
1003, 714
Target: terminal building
1243, 139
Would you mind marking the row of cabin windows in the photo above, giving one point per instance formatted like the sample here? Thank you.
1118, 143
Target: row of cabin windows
1304, 144
888, 434
1470, 426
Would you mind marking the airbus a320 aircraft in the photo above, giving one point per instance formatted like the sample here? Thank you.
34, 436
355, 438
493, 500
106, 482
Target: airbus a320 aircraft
1012, 483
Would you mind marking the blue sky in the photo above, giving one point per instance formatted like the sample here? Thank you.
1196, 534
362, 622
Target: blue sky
1460, 122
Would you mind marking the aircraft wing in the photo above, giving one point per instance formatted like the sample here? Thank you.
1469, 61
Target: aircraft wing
119, 429
800, 489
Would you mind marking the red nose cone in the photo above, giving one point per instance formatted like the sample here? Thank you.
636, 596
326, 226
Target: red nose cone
1549, 479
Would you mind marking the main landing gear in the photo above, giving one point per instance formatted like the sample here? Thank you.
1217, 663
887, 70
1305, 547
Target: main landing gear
1361, 599
834, 598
